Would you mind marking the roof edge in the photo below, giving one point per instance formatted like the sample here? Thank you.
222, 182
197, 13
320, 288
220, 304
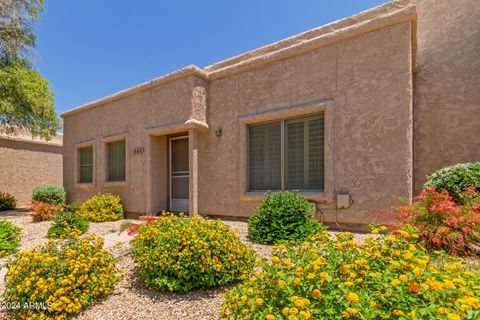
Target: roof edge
52, 143
355, 19
176, 75
402, 15
398, 11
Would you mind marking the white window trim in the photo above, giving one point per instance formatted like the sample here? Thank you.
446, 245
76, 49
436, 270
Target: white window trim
78, 146
284, 113
105, 141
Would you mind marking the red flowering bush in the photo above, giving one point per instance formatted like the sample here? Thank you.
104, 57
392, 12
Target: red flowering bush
133, 228
43, 211
442, 223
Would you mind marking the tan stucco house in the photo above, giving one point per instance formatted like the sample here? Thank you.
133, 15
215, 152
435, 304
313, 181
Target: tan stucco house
352, 114
27, 162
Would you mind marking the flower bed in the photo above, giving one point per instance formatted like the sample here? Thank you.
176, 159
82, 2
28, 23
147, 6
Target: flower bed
61, 278
382, 278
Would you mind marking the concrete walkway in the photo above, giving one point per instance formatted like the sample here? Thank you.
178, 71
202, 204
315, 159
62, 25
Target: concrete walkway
113, 239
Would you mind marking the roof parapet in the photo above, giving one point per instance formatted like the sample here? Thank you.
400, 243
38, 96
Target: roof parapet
395, 12
176, 75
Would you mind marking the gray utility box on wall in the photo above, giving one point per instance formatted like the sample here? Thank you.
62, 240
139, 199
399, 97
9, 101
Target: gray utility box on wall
344, 201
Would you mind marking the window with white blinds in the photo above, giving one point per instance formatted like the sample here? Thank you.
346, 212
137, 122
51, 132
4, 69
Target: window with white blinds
287, 154
116, 161
85, 157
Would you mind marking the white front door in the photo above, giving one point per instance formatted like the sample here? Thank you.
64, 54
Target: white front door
179, 174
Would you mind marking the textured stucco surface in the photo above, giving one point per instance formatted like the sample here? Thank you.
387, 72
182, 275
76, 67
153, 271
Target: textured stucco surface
447, 86
369, 80
167, 105
399, 83
25, 165
365, 78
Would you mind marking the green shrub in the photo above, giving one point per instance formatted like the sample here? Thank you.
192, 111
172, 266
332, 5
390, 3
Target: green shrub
68, 223
65, 276
282, 216
180, 254
455, 179
9, 238
337, 278
102, 207
7, 202
49, 193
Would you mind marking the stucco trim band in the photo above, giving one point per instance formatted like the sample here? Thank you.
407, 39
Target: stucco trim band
283, 113
177, 127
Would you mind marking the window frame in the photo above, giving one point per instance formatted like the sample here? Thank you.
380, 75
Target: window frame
82, 145
112, 177
80, 165
285, 112
283, 155
105, 142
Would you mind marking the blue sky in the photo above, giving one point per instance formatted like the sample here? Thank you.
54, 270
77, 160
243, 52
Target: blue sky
89, 49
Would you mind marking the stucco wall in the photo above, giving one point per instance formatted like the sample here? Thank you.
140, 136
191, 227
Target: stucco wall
25, 165
368, 78
447, 86
364, 78
164, 105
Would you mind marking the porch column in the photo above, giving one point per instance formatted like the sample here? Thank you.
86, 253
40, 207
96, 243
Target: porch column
193, 169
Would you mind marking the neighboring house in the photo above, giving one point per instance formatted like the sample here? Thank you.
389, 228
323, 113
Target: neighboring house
26, 163
359, 109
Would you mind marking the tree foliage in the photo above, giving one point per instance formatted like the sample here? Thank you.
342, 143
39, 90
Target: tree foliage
16, 18
26, 99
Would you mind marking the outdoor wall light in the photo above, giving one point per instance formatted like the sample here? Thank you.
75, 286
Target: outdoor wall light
218, 131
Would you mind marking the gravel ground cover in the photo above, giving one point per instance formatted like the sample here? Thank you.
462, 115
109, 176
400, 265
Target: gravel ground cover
131, 299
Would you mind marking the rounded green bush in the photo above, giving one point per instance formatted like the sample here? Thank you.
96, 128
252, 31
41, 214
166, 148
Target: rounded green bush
9, 238
180, 254
282, 216
49, 193
102, 207
455, 179
7, 202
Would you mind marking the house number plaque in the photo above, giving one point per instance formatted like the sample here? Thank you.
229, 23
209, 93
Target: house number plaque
139, 150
